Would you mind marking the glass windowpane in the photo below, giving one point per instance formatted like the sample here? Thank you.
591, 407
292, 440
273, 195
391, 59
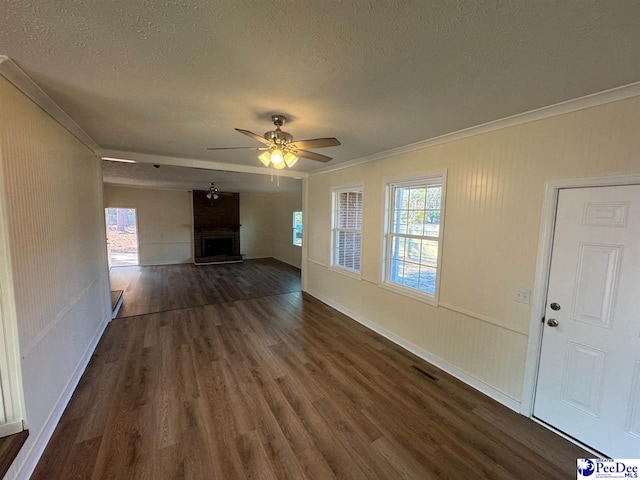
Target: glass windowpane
413, 261
427, 280
416, 198
434, 196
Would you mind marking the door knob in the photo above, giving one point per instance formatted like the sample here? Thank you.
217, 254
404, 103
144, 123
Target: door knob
552, 322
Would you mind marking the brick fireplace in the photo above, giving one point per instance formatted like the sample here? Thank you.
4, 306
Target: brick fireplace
216, 228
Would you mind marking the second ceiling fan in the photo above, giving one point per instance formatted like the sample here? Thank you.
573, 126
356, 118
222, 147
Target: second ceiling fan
279, 148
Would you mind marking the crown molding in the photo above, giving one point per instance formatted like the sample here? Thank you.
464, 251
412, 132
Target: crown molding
23, 82
195, 163
18, 77
568, 106
14, 74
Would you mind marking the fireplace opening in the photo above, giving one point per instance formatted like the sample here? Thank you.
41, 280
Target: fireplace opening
218, 246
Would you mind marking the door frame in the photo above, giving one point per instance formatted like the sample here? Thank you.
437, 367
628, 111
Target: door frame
543, 266
11, 387
139, 264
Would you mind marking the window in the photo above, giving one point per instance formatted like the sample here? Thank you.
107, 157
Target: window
347, 229
297, 228
413, 236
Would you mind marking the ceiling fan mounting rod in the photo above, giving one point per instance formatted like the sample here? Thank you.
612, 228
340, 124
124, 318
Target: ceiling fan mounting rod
278, 120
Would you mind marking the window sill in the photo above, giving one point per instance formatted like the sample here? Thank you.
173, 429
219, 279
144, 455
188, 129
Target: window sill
344, 271
421, 297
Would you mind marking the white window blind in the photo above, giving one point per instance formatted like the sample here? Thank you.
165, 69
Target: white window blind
347, 228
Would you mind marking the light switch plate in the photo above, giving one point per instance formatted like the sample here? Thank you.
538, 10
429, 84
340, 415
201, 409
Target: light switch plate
522, 296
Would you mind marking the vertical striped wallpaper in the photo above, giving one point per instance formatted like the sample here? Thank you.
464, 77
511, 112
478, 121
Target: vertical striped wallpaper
56, 228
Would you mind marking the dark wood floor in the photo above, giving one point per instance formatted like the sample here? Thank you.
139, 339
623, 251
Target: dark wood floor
9, 448
170, 287
280, 387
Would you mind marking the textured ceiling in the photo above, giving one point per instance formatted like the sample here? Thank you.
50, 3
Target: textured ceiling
173, 77
183, 178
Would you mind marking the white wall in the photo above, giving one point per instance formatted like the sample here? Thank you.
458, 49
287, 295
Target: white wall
256, 232
267, 226
285, 204
165, 222
53, 200
493, 208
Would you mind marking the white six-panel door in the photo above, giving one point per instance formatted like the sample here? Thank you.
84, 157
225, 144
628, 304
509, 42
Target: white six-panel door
589, 376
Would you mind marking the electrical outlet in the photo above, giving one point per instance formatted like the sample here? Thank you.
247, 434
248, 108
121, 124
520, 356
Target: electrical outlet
522, 296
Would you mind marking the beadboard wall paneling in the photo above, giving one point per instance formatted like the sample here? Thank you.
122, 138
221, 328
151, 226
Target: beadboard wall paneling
493, 207
165, 222
53, 196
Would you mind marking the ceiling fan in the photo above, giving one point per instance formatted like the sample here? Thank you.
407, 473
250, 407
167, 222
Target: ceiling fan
279, 148
213, 193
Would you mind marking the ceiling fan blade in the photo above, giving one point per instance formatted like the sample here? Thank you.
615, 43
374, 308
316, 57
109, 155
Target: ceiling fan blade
313, 156
237, 148
316, 143
255, 136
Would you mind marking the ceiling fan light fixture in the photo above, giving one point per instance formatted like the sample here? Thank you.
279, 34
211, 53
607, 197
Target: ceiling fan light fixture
212, 194
290, 159
277, 158
265, 158
279, 149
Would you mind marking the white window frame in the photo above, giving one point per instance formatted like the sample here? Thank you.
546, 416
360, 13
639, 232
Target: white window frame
293, 228
335, 192
433, 178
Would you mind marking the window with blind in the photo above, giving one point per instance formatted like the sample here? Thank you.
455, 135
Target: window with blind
347, 229
413, 237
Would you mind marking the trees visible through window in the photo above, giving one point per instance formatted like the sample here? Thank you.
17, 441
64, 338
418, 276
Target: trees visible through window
414, 234
297, 228
347, 228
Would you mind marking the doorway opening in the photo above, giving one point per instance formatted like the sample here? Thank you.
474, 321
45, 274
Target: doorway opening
122, 237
